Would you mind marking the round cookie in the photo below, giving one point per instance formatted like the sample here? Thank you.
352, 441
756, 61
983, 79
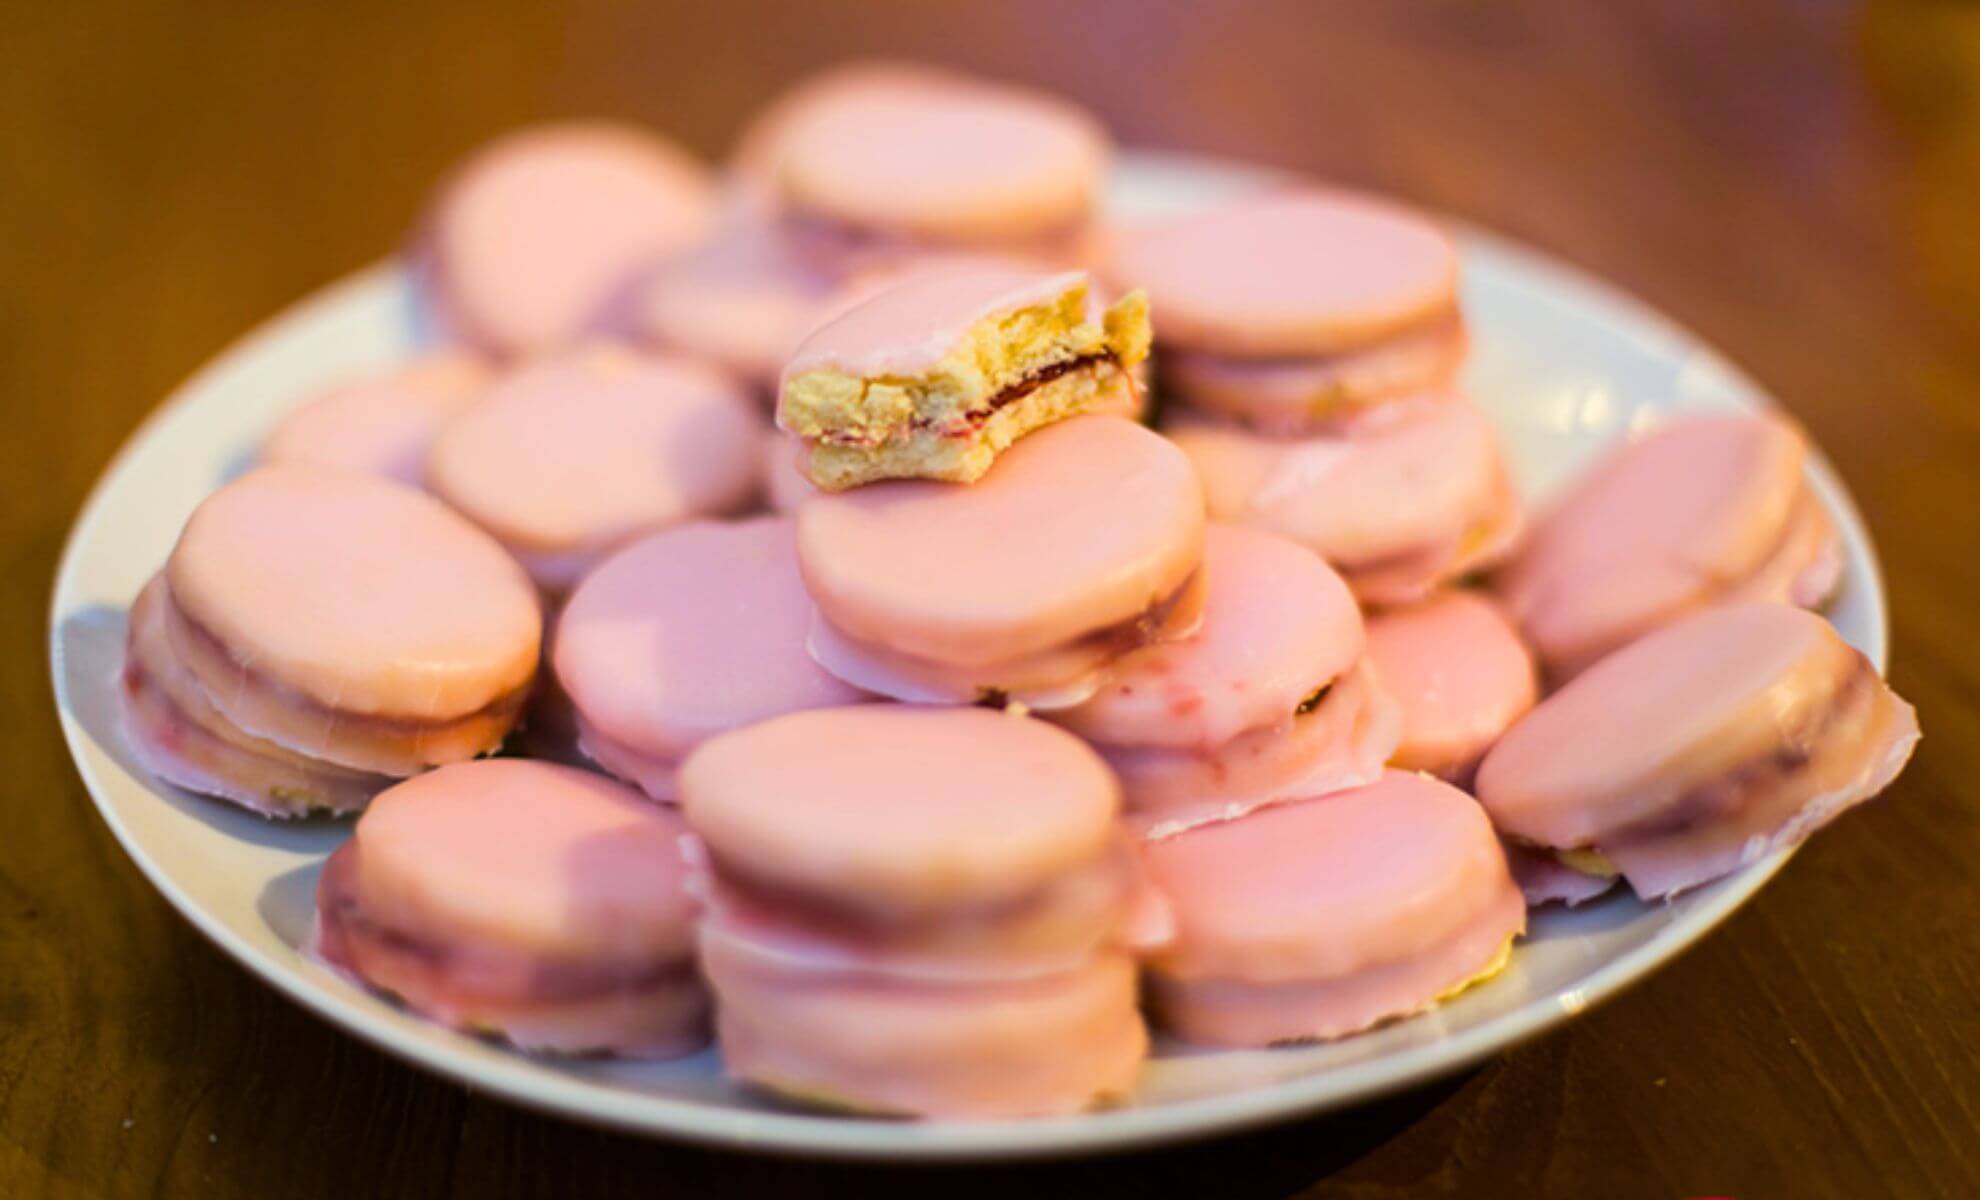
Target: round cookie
1075, 547
918, 911
1293, 274
351, 620
542, 904
529, 241
1397, 509
1461, 674
683, 635
1706, 510
1699, 748
942, 162
1321, 918
571, 457
177, 734
383, 425
1267, 700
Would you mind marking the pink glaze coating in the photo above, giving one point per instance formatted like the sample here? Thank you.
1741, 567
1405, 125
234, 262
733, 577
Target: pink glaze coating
943, 163
384, 424
177, 734
1396, 509
1342, 743
907, 327
1321, 918
1048, 1044
1290, 274
541, 902
1703, 510
1081, 526
1278, 624
900, 810
1701, 747
754, 163
1292, 396
1103, 904
365, 597
1461, 674
571, 457
531, 238
683, 635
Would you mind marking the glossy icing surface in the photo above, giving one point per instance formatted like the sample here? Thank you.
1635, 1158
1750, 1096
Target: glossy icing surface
1094, 519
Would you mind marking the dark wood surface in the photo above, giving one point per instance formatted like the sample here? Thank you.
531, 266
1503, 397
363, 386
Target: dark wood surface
1800, 182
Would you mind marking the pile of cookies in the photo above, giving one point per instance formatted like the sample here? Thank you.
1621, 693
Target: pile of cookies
931, 741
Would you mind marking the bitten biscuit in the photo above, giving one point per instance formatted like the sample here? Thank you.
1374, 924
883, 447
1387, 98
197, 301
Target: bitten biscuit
937, 374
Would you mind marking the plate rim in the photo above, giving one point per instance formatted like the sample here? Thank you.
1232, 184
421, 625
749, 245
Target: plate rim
520, 1080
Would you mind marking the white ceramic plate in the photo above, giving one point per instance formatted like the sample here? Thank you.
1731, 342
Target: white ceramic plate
1563, 363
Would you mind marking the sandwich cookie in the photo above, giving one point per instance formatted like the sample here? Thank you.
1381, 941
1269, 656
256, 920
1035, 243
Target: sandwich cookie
920, 911
1461, 675
686, 634
1698, 749
536, 903
1270, 699
1299, 311
383, 425
571, 457
754, 164
1079, 545
898, 165
1707, 510
331, 623
179, 736
937, 373
1321, 918
532, 239
1397, 510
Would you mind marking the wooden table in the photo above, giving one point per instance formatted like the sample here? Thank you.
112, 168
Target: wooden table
1800, 182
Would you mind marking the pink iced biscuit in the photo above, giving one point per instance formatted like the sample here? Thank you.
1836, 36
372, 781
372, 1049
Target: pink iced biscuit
1076, 547
1265, 701
383, 425
529, 241
742, 301
539, 903
1706, 510
942, 162
1397, 509
179, 736
1291, 275
1291, 396
919, 911
1699, 748
571, 457
1461, 674
686, 634
351, 620
1322, 918
761, 147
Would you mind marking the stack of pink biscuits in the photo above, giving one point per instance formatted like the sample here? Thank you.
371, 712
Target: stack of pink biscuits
1016, 727
1308, 350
